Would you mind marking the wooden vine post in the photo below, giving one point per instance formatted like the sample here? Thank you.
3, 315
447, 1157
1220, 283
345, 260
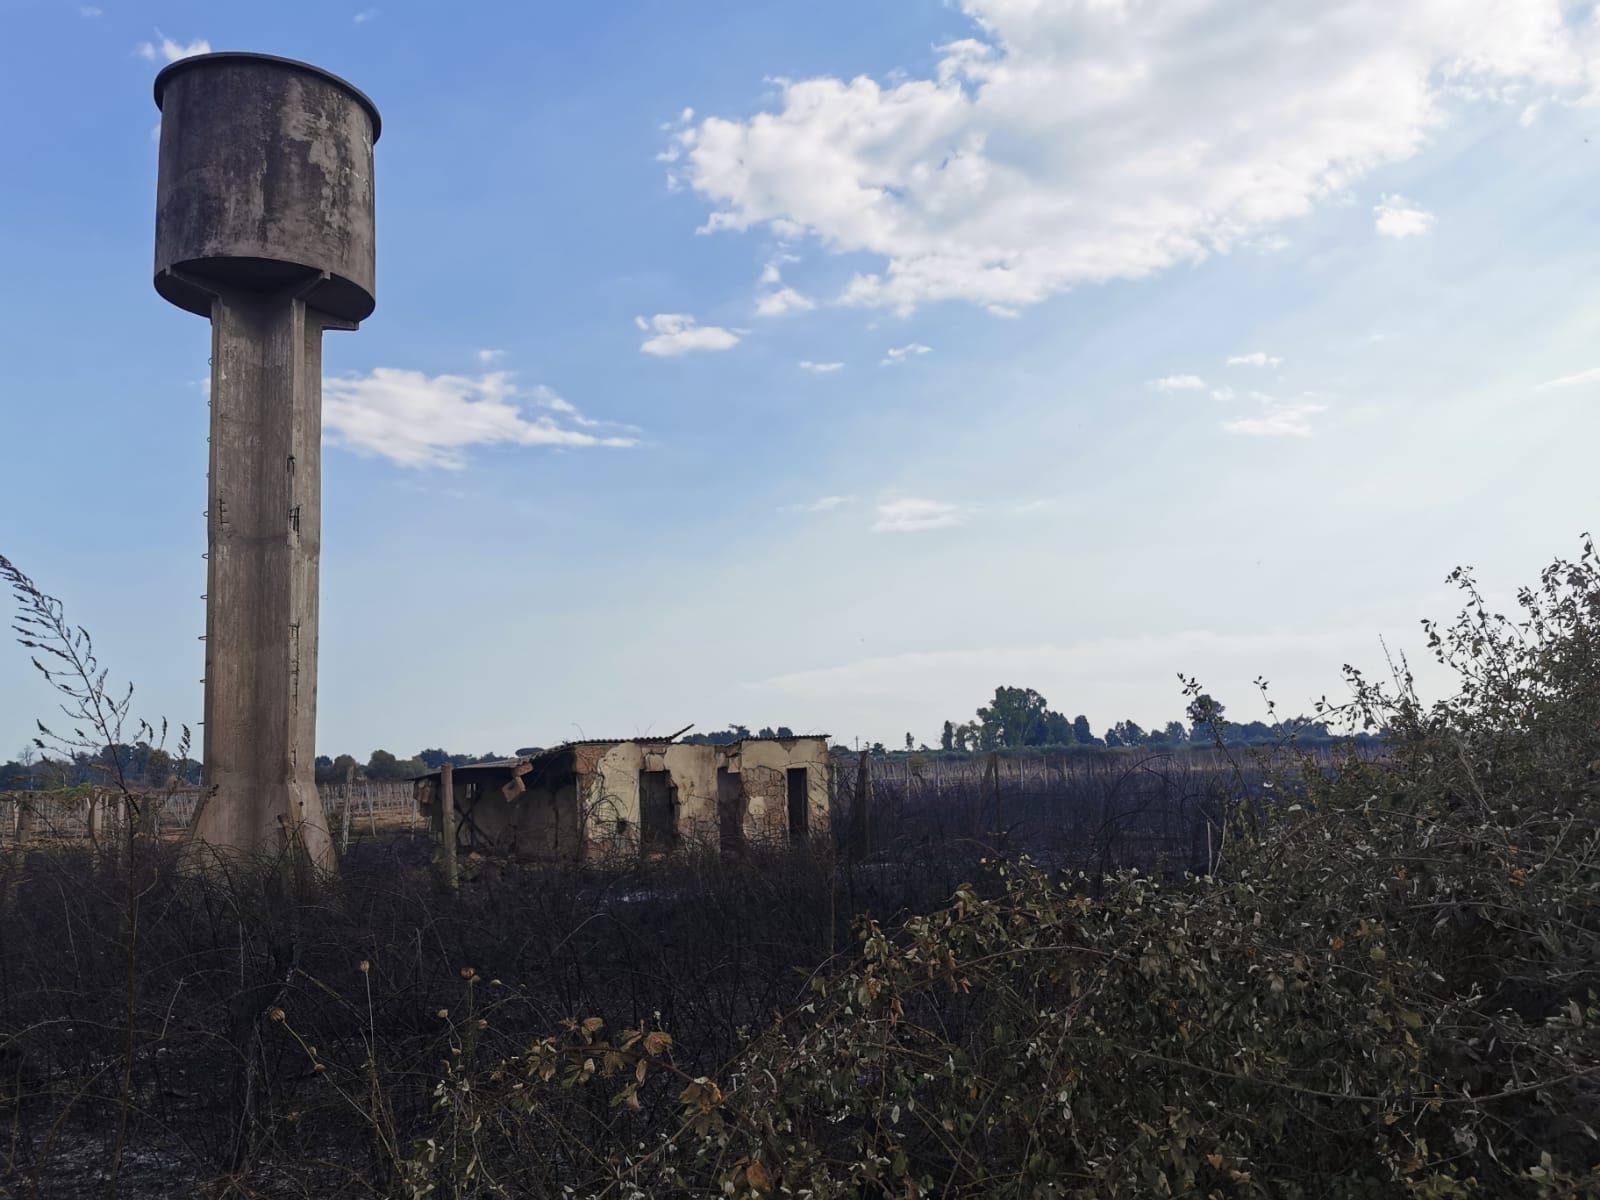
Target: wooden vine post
447, 825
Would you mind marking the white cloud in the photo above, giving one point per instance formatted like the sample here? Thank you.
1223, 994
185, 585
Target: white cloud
170, 50
822, 504
784, 300
1259, 359
780, 299
1072, 143
90, 11
1397, 217
772, 272
1277, 419
913, 514
1223, 394
1592, 375
820, 368
1178, 383
418, 420
546, 397
677, 333
490, 356
365, 15
899, 354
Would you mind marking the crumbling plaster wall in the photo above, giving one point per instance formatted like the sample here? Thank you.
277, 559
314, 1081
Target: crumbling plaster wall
599, 815
611, 792
763, 770
611, 788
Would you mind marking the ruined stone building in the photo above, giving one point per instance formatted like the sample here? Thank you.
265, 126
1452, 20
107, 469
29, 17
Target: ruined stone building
638, 796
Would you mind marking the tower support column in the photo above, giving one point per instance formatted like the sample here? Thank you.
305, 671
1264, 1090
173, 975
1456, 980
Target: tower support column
264, 521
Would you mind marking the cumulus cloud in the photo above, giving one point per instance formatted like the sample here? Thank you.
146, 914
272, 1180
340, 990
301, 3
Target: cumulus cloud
1073, 143
913, 514
490, 356
1277, 418
1397, 217
820, 368
419, 420
899, 354
772, 272
780, 299
784, 300
365, 15
546, 397
1178, 383
677, 333
1592, 375
1259, 359
165, 47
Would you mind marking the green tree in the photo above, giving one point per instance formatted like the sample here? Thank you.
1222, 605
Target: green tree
1131, 734
947, 739
1057, 730
1081, 733
1015, 717
1205, 716
383, 765
157, 768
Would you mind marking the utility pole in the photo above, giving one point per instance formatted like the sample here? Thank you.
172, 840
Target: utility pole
264, 225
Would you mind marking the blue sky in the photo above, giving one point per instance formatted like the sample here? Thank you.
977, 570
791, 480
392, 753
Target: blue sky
1203, 336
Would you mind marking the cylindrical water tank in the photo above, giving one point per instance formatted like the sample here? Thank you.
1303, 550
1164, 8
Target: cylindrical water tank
265, 183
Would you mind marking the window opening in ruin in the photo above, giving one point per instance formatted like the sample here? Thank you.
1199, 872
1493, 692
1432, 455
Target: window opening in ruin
799, 804
658, 811
731, 808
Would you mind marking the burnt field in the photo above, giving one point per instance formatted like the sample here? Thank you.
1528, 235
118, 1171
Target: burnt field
263, 1035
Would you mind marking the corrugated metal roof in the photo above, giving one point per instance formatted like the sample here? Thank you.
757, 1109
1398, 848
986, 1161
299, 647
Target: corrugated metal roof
617, 741
499, 764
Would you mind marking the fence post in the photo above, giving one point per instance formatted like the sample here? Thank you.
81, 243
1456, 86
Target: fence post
860, 811
447, 824
991, 788
344, 811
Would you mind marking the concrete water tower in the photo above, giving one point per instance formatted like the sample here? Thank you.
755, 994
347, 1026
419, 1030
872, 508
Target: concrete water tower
264, 224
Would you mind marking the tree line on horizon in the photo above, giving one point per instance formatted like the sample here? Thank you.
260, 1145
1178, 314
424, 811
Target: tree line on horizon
1021, 718
1016, 718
